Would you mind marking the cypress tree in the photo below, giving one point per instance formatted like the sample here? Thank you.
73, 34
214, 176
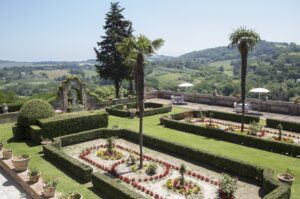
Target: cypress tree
110, 63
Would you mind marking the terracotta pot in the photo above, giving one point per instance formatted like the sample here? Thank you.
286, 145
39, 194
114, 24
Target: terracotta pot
49, 191
7, 153
20, 162
35, 178
284, 180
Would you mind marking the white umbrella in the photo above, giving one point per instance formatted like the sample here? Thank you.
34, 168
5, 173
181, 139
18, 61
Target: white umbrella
259, 91
185, 85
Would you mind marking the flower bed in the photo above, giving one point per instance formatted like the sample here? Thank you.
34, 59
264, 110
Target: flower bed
178, 122
138, 181
189, 188
236, 128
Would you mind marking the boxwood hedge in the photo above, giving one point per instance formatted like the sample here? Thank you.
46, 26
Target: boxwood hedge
150, 109
82, 171
234, 117
287, 125
72, 123
113, 188
247, 140
33, 110
12, 107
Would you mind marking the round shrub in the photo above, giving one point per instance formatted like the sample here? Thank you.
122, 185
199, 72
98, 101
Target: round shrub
33, 110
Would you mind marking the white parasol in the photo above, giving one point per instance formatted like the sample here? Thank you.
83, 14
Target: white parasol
259, 91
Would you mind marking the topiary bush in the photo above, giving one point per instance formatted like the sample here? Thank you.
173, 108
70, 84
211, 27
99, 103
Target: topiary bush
34, 110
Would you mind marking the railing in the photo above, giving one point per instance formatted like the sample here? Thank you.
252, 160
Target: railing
288, 108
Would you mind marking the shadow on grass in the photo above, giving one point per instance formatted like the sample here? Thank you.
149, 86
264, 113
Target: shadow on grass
29, 143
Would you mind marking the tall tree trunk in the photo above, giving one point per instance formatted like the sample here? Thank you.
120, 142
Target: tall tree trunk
131, 92
139, 87
117, 88
244, 55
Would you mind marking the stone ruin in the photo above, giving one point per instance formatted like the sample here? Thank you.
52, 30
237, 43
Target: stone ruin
73, 95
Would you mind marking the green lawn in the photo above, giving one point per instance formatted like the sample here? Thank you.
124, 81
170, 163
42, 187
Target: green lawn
48, 170
263, 158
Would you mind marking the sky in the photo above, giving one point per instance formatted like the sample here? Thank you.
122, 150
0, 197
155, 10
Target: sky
67, 30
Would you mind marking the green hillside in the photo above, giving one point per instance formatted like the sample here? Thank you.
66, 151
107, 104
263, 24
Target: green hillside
272, 65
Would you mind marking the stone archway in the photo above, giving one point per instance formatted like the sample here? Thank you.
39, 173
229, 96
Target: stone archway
73, 91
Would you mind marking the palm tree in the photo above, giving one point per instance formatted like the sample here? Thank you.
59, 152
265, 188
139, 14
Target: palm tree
136, 49
244, 39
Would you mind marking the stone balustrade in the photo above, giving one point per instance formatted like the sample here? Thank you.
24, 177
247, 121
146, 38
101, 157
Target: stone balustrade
281, 107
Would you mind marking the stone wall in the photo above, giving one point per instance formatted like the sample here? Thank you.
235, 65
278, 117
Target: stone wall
8, 117
256, 104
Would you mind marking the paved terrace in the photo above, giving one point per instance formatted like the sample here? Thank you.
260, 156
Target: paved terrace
227, 109
9, 189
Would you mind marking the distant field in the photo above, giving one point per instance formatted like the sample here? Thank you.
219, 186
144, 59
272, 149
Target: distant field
225, 63
52, 73
90, 73
295, 53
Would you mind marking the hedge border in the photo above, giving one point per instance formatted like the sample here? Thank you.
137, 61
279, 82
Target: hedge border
59, 158
12, 108
246, 140
113, 188
271, 187
287, 125
157, 109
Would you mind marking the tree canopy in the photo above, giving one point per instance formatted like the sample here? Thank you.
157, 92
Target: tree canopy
110, 63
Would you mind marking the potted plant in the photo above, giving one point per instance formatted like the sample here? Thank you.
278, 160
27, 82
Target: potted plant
286, 177
7, 153
34, 175
49, 187
70, 195
20, 162
227, 187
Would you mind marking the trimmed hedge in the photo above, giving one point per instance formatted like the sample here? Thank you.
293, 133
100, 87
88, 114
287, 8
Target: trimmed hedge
274, 188
246, 140
234, 117
77, 168
151, 109
271, 187
288, 126
72, 123
113, 188
12, 107
33, 110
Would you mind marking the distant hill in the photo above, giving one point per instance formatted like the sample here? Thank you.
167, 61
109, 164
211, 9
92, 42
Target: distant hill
273, 65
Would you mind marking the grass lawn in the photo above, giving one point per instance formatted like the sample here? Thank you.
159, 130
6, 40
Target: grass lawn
259, 157
48, 170
151, 127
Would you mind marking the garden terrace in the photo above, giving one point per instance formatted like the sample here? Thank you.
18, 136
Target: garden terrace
62, 124
130, 109
240, 168
266, 139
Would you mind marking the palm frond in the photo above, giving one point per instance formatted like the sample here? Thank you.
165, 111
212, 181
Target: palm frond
244, 35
